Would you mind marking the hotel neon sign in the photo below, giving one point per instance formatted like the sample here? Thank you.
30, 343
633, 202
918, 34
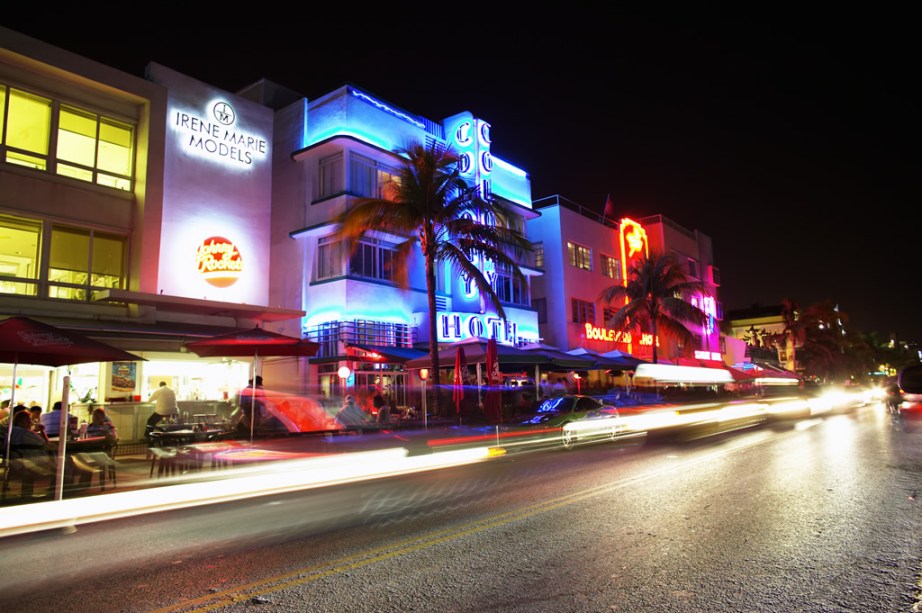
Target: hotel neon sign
457, 326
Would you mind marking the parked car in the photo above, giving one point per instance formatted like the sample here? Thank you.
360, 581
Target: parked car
575, 418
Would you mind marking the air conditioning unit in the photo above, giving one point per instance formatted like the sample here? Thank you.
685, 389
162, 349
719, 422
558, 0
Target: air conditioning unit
714, 275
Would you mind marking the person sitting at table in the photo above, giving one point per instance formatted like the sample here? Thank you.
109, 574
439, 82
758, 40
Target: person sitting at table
52, 420
101, 425
35, 411
29, 453
351, 416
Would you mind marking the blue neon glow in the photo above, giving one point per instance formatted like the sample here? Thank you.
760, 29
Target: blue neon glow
387, 109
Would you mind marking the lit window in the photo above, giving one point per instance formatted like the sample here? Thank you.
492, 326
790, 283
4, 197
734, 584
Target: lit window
82, 260
28, 125
611, 267
370, 179
579, 256
88, 146
19, 255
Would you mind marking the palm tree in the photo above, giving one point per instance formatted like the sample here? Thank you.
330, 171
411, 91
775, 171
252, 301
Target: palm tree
431, 205
654, 293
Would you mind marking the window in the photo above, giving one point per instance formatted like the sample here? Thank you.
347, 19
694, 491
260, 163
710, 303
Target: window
329, 257
583, 311
538, 251
611, 267
510, 289
331, 176
19, 255
693, 268
27, 133
579, 256
540, 306
370, 179
607, 313
82, 260
86, 146
373, 259
94, 149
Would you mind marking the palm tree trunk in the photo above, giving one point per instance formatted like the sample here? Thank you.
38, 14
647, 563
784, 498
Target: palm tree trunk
433, 332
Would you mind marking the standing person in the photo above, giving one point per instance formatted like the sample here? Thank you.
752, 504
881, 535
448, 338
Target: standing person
250, 401
166, 405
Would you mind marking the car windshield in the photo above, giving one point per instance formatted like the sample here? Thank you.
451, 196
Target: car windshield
557, 405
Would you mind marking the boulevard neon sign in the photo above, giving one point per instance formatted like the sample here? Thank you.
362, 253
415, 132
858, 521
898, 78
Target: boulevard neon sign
594, 333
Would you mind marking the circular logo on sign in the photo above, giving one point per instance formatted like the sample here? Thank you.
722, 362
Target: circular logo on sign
223, 113
219, 262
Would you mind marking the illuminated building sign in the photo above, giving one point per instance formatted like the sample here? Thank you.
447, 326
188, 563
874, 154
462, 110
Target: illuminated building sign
594, 333
471, 140
457, 326
709, 306
218, 261
215, 136
634, 245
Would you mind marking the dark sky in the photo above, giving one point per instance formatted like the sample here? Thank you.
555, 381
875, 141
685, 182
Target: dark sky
785, 136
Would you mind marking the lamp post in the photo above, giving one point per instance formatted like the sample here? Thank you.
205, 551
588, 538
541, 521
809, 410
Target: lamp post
343, 373
423, 375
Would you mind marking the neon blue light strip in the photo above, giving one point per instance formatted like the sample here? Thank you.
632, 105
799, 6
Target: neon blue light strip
387, 109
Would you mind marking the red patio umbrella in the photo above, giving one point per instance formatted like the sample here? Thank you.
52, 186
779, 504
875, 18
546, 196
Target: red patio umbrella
27, 341
254, 342
493, 402
457, 392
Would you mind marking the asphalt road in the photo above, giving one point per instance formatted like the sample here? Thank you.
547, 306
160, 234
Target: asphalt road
815, 515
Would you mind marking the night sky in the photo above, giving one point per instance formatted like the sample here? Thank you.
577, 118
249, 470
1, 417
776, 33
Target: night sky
784, 136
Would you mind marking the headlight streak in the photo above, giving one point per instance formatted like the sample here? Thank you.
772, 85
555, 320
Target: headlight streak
301, 576
246, 482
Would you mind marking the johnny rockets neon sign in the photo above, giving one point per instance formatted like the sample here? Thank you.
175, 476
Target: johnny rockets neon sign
219, 261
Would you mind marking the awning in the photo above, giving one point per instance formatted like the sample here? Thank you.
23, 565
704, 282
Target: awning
400, 355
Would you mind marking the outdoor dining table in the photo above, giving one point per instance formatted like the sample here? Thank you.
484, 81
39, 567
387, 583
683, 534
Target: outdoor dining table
173, 437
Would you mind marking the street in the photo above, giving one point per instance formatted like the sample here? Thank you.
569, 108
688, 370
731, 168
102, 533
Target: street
820, 514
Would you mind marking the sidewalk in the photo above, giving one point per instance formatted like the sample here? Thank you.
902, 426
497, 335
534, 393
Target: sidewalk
147, 468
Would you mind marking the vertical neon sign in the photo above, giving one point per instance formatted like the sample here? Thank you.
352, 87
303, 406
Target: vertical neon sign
471, 139
633, 244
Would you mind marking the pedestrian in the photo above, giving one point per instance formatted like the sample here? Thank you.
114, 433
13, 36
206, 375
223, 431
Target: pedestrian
351, 416
166, 406
250, 402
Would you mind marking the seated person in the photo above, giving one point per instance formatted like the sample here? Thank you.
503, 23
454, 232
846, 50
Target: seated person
29, 454
52, 420
351, 416
101, 425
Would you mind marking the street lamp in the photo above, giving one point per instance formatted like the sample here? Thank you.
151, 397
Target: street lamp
423, 375
343, 373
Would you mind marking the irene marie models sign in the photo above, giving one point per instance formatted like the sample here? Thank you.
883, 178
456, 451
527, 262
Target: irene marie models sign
215, 135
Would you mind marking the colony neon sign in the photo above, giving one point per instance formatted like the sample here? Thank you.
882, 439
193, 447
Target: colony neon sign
218, 261
214, 136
